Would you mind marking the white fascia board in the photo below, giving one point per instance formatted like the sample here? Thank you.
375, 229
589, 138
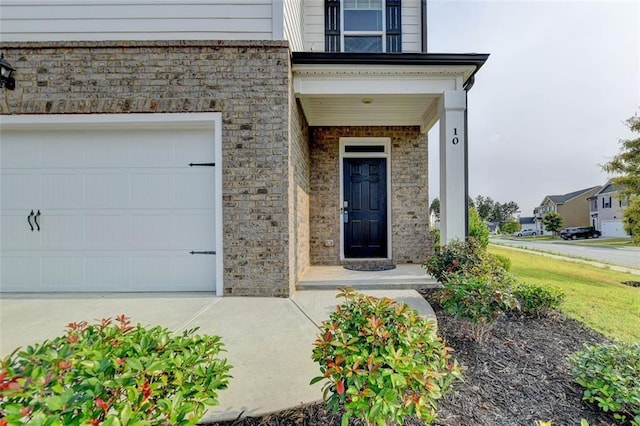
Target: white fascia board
376, 79
371, 85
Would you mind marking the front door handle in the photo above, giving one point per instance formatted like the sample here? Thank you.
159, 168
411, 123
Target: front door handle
29, 220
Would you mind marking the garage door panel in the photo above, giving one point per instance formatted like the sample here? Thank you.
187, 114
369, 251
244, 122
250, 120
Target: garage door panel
15, 232
107, 272
194, 190
107, 190
15, 153
61, 151
196, 269
150, 231
62, 272
153, 152
61, 230
62, 191
20, 272
20, 190
106, 230
151, 190
194, 231
111, 153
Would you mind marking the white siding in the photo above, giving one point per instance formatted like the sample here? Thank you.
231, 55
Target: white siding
293, 23
46, 20
411, 26
314, 26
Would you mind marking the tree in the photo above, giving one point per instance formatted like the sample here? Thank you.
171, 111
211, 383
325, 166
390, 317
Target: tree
493, 211
552, 221
435, 207
477, 228
627, 165
485, 206
510, 227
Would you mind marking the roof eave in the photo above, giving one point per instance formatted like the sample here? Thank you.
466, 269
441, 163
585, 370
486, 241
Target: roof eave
390, 59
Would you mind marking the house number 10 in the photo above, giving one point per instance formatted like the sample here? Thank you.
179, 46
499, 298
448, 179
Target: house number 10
455, 139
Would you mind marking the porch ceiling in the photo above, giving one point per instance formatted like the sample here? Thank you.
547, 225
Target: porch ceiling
337, 89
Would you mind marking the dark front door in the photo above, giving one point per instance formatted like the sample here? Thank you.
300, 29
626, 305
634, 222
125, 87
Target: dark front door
365, 204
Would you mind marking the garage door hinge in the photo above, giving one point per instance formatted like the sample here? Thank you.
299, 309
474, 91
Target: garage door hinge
202, 252
202, 164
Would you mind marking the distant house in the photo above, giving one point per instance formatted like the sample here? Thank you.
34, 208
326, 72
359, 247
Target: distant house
573, 208
606, 208
528, 222
494, 227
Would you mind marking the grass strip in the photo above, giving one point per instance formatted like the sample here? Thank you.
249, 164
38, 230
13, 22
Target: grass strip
595, 296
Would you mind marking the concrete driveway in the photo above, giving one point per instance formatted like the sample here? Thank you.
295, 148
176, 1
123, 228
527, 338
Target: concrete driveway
268, 340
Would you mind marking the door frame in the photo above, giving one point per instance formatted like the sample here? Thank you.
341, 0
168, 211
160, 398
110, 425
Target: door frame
386, 153
210, 121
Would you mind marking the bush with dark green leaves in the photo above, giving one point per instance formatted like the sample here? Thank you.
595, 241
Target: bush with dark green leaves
536, 300
478, 300
610, 376
113, 373
467, 258
382, 361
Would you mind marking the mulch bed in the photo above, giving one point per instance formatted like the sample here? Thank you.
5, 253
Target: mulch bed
518, 376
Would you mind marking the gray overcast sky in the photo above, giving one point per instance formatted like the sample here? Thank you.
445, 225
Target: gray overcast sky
548, 106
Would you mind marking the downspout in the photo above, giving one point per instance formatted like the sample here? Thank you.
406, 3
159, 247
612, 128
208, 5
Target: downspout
423, 16
467, 86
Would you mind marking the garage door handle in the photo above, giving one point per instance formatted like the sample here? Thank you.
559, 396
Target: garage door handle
29, 220
35, 219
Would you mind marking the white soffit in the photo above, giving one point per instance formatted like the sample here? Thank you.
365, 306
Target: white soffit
366, 95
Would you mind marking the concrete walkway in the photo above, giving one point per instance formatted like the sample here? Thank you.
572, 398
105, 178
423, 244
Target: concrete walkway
268, 340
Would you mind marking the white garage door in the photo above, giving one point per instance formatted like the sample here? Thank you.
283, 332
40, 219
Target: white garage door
108, 207
613, 228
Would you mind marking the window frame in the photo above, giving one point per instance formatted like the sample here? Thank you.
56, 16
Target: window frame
382, 34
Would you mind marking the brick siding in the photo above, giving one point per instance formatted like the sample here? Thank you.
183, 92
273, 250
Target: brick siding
249, 82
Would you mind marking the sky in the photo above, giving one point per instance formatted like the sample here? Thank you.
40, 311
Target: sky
549, 105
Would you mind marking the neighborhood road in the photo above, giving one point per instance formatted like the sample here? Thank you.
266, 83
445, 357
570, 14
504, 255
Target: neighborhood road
620, 256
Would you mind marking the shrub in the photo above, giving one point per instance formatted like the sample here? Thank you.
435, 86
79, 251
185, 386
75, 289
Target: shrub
537, 300
610, 376
383, 361
477, 228
467, 258
480, 301
113, 373
456, 257
503, 261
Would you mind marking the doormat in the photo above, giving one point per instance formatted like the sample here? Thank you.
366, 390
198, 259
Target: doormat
369, 267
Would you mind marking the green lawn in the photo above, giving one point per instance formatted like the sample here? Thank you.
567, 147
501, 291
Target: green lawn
594, 296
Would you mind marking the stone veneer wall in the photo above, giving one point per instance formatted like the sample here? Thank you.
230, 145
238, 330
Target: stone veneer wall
409, 192
248, 81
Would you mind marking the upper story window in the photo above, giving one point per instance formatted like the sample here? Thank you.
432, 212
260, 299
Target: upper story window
606, 202
363, 26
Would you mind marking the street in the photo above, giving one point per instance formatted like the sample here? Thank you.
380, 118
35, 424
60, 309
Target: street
627, 256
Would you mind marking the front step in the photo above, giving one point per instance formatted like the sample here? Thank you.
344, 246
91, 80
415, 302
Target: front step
403, 277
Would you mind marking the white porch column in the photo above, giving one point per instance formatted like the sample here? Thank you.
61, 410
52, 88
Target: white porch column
453, 166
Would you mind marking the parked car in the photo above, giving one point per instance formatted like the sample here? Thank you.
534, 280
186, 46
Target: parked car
579, 232
525, 233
